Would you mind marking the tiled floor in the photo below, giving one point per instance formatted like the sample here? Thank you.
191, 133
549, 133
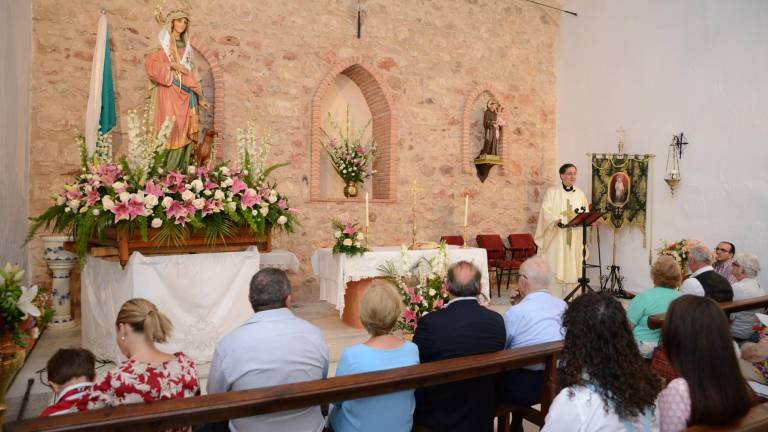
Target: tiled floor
322, 314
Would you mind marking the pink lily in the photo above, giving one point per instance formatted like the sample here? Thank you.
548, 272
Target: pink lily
73, 194
410, 317
92, 198
211, 206
176, 210
202, 171
282, 204
150, 188
416, 298
294, 210
250, 198
349, 229
439, 304
121, 211
238, 185
108, 173
136, 208
174, 178
209, 185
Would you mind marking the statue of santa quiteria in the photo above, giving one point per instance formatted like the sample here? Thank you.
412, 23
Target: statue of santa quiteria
174, 91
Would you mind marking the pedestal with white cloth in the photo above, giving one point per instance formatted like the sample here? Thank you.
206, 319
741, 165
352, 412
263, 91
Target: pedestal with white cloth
343, 278
205, 296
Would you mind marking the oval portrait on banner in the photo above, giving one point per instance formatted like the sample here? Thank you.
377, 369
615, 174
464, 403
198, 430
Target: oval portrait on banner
618, 189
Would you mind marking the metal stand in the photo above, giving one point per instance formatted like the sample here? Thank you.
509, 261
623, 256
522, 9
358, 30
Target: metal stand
613, 284
583, 280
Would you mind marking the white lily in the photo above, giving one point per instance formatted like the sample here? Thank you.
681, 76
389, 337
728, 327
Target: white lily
25, 301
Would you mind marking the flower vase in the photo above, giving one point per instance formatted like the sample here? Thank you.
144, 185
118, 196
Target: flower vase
350, 189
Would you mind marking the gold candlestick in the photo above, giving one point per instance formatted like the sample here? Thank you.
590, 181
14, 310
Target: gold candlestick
365, 239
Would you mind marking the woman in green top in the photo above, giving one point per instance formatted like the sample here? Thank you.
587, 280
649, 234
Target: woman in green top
665, 274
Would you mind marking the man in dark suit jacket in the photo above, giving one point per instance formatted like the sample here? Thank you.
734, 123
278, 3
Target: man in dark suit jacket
463, 327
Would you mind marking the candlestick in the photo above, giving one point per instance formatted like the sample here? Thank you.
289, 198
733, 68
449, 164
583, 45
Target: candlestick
466, 208
367, 221
464, 245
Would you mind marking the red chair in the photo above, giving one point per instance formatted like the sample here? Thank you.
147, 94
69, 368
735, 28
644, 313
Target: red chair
497, 258
453, 240
522, 246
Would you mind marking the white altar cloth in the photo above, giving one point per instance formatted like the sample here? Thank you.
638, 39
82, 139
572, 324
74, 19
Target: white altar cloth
334, 271
204, 295
281, 259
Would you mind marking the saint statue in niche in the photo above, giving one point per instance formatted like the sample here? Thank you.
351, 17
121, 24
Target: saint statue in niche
493, 125
174, 90
618, 187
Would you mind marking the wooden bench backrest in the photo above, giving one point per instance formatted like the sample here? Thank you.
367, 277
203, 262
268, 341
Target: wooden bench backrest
755, 421
657, 321
217, 407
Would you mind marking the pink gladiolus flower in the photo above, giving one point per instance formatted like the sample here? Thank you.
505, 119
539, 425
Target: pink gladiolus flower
121, 211
238, 185
282, 205
150, 188
349, 229
92, 198
250, 198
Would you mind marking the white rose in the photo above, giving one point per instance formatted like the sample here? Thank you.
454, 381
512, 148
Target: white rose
232, 206
272, 197
357, 244
347, 242
198, 203
124, 196
187, 186
227, 183
197, 185
224, 170
95, 212
264, 211
432, 292
60, 200
187, 195
207, 193
74, 204
67, 209
264, 204
157, 223
219, 195
337, 234
282, 220
118, 185
360, 235
107, 202
150, 201
230, 195
167, 201
424, 302
191, 169
83, 209
160, 171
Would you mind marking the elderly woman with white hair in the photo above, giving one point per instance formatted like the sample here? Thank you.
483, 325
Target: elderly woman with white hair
745, 268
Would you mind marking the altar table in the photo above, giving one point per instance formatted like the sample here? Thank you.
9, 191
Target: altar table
204, 295
335, 271
281, 259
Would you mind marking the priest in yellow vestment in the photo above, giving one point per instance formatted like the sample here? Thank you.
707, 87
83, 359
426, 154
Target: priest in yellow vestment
561, 247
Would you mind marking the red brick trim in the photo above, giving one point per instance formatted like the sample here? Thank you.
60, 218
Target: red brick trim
466, 145
384, 127
219, 113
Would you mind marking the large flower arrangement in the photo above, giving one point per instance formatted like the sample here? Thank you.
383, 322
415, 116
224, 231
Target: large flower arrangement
349, 238
22, 309
423, 286
138, 194
679, 251
351, 157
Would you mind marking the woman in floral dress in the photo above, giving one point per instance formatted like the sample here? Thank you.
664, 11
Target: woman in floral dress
149, 374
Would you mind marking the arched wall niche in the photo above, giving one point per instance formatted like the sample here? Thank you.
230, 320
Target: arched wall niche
384, 186
467, 148
217, 102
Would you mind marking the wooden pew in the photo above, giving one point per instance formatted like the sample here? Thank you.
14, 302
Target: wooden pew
755, 421
657, 321
222, 406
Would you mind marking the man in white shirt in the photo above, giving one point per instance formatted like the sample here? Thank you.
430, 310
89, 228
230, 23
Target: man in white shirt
273, 347
704, 280
536, 318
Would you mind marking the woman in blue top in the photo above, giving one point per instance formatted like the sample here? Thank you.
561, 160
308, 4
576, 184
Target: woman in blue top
380, 308
665, 274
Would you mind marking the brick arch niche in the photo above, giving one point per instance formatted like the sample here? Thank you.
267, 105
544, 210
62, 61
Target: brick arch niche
467, 150
383, 128
216, 101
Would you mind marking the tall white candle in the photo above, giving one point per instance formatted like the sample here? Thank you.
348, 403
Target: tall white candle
466, 209
367, 222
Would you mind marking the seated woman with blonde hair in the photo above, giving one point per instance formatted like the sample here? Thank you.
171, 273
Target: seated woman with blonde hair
149, 374
380, 309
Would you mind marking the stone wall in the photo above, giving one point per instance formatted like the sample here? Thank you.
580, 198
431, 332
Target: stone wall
272, 56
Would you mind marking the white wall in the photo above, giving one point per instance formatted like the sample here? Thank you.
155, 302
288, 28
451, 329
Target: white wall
16, 52
658, 68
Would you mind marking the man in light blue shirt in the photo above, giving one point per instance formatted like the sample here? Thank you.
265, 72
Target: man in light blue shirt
273, 347
535, 318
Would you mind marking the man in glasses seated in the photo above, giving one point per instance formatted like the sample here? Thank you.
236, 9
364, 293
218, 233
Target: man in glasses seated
724, 253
